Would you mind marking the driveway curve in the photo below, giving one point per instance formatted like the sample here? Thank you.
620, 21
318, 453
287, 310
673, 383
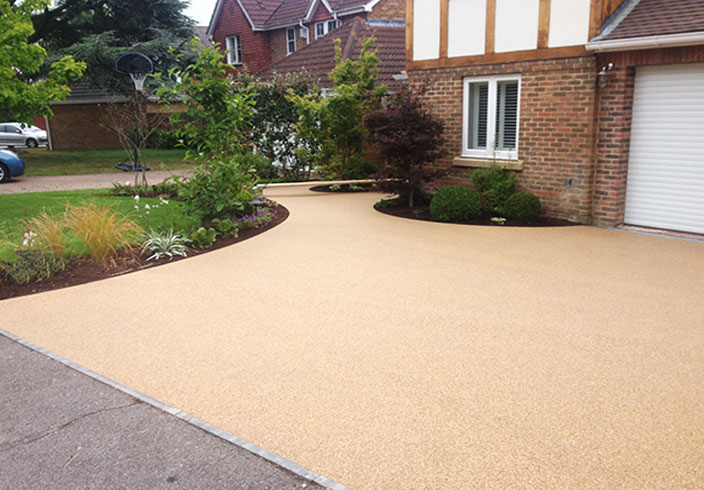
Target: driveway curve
396, 354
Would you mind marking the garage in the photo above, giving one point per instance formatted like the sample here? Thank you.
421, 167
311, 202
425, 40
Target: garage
665, 185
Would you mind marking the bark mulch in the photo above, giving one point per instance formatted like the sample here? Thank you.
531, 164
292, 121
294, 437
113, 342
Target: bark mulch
82, 270
423, 213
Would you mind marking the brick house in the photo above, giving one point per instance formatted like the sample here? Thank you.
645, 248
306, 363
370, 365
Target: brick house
316, 60
597, 104
258, 33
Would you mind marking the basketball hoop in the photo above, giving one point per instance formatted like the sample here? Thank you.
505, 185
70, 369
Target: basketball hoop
138, 79
137, 66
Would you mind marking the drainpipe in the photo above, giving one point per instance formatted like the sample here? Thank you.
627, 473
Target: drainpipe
306, 30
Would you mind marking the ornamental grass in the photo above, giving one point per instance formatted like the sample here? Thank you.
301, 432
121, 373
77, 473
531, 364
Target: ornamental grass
102, 230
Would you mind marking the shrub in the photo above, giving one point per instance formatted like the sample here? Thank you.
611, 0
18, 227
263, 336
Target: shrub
222, 189
495, 186
34, 265
455, 203
522, 206
360, 168
102, 230
50, 233
169, 188
226, 227
203, 237
410, 139
164, 244
126, 189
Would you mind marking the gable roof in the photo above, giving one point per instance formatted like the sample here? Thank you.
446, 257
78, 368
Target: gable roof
638, 19
317, 59
268, 14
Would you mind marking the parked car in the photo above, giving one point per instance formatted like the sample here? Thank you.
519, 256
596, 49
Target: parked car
10, 165
19, 134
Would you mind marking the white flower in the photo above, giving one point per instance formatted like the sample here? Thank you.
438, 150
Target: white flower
146, 206
127, 182
136, 207
136, 198
163, 201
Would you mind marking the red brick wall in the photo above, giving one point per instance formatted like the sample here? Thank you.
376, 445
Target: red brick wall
320, 13
256, 53
81, 127
556, 134
389, 10
278, 42
612, 146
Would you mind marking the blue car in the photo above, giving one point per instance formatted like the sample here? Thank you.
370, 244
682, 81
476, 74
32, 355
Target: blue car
10, 165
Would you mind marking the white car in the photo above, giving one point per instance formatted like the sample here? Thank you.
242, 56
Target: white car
20, 134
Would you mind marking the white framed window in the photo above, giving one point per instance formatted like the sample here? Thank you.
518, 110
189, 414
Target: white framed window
234, 49
490, 116
290, 40
322, 28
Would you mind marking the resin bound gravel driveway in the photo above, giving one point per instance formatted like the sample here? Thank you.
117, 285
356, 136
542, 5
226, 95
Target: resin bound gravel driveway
395, 354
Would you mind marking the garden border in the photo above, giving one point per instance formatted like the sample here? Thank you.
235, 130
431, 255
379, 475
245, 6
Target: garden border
189, 419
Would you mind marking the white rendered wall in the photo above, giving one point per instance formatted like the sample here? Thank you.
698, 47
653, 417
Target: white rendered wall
516, 25
426, 29
466, 27
569, 22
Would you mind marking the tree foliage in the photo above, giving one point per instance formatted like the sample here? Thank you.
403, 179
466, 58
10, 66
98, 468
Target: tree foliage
217, 116
97, 32
274, 126
23, 94
409, 139
333, 125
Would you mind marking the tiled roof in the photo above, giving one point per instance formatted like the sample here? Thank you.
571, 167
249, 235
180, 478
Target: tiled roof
202, 33
260, 10
654, 17
317, 59
347, 4
289, 10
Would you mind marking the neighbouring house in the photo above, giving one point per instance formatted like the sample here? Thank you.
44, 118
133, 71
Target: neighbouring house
597, 104
79, 122
258, 33
316, 60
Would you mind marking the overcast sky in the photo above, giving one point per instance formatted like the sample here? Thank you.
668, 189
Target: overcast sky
200, 11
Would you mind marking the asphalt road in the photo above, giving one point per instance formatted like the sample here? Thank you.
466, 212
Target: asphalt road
61, 429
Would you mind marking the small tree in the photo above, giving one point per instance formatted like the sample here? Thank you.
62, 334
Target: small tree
216, 116
21, 97
410, 139
334, 125
131, 123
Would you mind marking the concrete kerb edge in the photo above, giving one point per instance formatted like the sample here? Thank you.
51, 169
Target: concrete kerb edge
189, 419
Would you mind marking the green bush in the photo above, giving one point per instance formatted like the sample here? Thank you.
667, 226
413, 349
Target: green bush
202, 237
33, 265
455, 203
522, 206
222, 189
263, 166
359, 169
163, 139
495, 186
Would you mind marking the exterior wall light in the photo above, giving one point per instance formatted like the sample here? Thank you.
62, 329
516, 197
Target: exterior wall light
602, 75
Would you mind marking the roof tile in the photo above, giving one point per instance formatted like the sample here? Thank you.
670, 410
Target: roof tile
660, 17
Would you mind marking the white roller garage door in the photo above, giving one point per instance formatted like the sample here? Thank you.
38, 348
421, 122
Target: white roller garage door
665, 187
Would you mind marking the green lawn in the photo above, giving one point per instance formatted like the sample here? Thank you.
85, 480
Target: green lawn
40, 161
17, 207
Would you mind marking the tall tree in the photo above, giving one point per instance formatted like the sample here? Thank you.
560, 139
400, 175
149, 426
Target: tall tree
97, 32
24, 94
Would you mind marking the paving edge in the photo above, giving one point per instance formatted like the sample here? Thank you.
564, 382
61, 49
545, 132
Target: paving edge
189, 419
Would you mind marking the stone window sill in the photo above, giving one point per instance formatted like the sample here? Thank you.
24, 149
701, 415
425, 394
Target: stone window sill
487, 162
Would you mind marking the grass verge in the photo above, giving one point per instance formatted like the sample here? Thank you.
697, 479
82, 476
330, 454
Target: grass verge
41, 162
20, 207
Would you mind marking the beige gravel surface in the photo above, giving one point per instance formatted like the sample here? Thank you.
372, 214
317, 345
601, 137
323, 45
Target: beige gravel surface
20, 185
392, 354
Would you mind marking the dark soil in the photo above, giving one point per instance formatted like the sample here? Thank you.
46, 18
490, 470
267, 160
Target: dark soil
423, 213
343, 188
82, 270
